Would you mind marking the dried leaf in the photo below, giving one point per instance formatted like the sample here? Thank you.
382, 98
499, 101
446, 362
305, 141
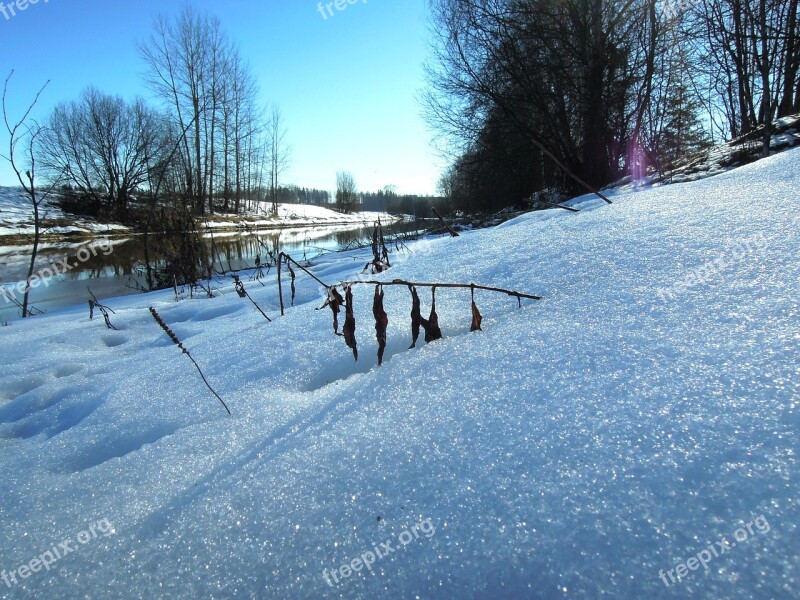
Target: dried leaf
381, 322
416, 316
291, 271
349, 328
431, 326
335, 300
476, 318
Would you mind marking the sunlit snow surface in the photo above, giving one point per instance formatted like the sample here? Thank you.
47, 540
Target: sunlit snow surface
574, 448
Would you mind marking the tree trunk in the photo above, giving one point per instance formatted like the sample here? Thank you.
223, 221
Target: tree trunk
766, 93
792, 51
34, 252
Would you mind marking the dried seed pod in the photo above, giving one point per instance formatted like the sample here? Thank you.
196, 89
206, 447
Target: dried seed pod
349, 327
431, 326
416, 316
167, 330
381, 322
477, 319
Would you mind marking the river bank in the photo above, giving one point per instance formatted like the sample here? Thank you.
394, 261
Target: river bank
17, 224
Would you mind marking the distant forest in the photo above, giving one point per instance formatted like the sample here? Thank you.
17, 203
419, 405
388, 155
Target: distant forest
386, 200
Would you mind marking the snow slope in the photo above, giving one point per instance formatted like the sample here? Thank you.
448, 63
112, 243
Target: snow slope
723, 157
16, 218
641, 415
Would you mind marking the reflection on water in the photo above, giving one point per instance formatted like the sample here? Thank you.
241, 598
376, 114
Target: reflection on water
119, 270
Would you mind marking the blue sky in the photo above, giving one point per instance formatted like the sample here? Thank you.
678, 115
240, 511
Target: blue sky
347, 86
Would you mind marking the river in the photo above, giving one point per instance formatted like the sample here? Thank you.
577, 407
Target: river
116, 267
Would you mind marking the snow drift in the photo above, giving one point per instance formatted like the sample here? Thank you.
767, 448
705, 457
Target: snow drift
586, 445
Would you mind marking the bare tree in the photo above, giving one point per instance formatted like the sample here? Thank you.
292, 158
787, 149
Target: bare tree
346, 191
186, 64
200, 75
279, 154
754, 50
240, 125
103, 147
21, 132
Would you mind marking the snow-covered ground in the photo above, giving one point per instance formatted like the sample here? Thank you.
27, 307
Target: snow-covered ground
638, 424
297, 215
16, 218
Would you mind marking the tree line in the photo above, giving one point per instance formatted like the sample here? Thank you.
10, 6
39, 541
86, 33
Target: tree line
538, 95
349, 199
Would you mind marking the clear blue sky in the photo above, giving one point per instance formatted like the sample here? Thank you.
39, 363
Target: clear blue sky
347, 86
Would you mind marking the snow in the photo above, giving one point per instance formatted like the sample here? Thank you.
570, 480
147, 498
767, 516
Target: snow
574, 448
16, 218
294, 215
721, 158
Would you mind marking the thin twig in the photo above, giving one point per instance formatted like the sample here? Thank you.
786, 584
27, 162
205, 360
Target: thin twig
243, 293
177, 342
476, 286
559, 205
280, 287
517, 295
302, 268
95, 303
441, 218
